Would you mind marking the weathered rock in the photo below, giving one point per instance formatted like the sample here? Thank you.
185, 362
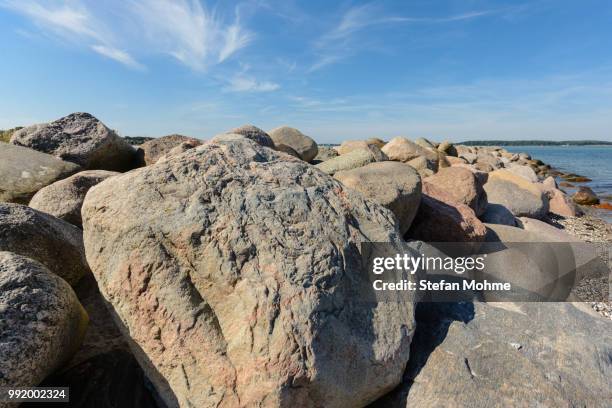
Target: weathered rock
395, 185
585, 196
481, 176
442, 160
237, 280
352, 160
63, 199
151, 151
41, 321
549, 183
349, 145
462, 186
484, 167
448, 148
455, 160
179, 149
376, 142
559, 203
53, 242
324, 154
421, 141
79, 138
441, 219
288, 150
24, 171
507, 354
305, 147
403, 150
469, 157
518, 195
525, 172
498, 214
255, 134
421, 163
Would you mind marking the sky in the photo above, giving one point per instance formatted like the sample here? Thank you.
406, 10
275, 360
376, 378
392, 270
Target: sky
337, 70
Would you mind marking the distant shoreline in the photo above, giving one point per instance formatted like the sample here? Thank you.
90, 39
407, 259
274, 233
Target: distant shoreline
535, 143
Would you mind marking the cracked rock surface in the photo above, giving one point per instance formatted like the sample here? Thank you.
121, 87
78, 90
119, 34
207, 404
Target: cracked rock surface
236, 271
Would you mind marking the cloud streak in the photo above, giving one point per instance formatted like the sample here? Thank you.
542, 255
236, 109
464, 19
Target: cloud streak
337, 44
184, 29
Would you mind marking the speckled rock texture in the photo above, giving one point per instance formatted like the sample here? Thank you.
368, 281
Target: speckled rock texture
53, 242
79, 138
63, 199
41, 321
24, 171
238, 282
463, 186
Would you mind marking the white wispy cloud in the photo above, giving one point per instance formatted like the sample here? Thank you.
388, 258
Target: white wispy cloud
188, 31
338, 43
185, 29
242, 83
118, 55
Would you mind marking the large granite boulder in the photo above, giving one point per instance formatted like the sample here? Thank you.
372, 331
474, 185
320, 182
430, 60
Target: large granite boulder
352, 160
522, 197
484, 355
79, 138
255, 134
448, 148
421, 141
237, 272
442, 219
395, 185
63, 199
24, 171
151, 151
53, 242
462, 186
303, 145
41, 321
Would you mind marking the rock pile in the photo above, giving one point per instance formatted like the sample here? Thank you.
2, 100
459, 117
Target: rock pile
231, 273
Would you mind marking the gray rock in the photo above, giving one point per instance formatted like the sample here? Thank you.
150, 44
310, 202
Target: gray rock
498, 214
522, 197
79, 138
41, 321
63, 199
352, 160
53, 242
255, 134
151, 151
395, 185
24, 171
585, 196
469, 157
305, 146
507, 355
235, 273
421, 141
324, 154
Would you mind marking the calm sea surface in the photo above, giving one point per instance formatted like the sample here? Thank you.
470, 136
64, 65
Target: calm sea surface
594, 162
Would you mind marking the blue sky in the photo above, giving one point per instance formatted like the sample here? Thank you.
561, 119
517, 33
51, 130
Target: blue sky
455, 70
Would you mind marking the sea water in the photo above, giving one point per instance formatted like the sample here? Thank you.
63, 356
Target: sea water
594, 162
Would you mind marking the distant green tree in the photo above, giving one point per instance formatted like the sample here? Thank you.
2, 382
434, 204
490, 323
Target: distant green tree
536, 143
